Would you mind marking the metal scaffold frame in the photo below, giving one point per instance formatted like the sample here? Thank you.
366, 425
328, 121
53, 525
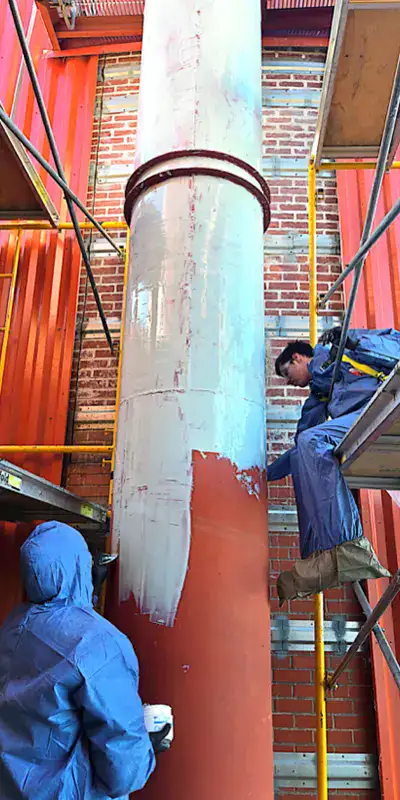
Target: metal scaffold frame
19, 226
58, 175
383, 162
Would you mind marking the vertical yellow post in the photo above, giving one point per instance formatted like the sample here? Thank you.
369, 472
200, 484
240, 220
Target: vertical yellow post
121, 341
320, 701
102, 599
312, 249
10, 304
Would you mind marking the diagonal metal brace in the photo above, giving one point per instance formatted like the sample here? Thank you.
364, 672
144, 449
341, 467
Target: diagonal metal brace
383, 643
385, 601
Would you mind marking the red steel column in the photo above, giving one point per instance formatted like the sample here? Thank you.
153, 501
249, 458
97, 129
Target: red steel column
189, 514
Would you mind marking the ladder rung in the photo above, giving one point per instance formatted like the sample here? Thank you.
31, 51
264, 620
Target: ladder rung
6, 274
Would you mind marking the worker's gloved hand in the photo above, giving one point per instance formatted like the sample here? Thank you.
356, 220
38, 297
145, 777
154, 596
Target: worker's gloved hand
158, 739
332, 336
100, 568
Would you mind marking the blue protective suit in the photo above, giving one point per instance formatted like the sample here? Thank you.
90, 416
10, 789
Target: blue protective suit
326, 509
71, 720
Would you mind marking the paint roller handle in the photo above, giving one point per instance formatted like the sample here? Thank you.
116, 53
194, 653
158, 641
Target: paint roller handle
158, 739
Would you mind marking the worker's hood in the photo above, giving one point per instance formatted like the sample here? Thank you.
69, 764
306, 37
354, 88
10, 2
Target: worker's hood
56, 565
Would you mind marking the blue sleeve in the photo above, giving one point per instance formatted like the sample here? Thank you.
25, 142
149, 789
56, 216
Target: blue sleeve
279, 468
120, 750
312, 413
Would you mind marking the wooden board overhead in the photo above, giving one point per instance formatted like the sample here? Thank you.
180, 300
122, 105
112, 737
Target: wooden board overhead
361, 65
22, 193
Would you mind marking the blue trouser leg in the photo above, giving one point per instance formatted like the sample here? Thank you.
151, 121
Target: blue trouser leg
327, 512
306, 534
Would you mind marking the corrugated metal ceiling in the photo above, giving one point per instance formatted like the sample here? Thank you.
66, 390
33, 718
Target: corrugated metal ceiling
113, 8
103, 8
271, 5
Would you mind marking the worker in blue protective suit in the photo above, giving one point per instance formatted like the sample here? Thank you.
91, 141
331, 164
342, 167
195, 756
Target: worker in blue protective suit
332, 546
71, 720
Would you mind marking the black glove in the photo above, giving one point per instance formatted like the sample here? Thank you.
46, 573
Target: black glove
332, 336
158, 740
100, 568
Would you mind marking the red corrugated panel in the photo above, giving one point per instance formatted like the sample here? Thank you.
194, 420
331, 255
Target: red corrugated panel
36, 382
378, 305
34, 399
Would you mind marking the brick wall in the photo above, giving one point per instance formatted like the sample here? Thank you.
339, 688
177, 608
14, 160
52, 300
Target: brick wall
288, 132
291, 86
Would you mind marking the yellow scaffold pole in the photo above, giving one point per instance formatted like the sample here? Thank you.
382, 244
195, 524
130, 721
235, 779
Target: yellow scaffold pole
320, 701
10, 305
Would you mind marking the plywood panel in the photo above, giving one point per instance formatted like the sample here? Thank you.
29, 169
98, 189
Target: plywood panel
364, 78
22, 194
377, 462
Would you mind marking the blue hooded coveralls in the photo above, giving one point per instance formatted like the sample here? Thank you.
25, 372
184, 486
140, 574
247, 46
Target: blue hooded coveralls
326, 510
71, 720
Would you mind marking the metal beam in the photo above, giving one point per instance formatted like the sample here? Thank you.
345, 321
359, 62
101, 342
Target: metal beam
57, 160
346, 771
5, 119
101, 33
95, 50
102, 25
27, 497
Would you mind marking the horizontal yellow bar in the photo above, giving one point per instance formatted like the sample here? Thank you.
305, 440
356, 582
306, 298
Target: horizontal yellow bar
332, 165
32, 225
6, 274
54, 448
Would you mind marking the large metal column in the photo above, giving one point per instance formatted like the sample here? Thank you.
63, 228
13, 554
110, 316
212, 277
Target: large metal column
189, 483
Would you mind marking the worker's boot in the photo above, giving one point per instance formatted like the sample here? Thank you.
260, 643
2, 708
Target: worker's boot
345, 563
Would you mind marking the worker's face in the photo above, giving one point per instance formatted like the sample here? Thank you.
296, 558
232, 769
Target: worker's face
296, 371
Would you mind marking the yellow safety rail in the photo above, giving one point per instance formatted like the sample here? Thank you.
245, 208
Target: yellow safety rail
320, 671
118, 393
20, 226
10, 304
320, 699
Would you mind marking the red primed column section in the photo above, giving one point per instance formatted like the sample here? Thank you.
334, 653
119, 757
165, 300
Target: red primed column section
213, 666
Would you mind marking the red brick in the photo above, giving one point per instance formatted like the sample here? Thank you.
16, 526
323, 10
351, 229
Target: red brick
283, 735
340, 738
283, 720
291, 676
294, 705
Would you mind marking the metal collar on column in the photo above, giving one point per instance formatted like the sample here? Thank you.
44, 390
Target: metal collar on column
240, 173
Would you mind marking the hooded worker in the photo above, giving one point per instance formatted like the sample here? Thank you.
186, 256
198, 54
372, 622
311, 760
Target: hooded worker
332, 545
71, 720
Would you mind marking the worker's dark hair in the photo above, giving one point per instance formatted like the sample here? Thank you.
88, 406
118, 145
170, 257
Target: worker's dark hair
302, 348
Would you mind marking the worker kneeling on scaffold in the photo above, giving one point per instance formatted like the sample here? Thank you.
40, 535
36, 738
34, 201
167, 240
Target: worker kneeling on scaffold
332, 545
72, 724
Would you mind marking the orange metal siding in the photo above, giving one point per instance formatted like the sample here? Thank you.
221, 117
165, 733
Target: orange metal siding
378, 305
34, 400
36, 383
